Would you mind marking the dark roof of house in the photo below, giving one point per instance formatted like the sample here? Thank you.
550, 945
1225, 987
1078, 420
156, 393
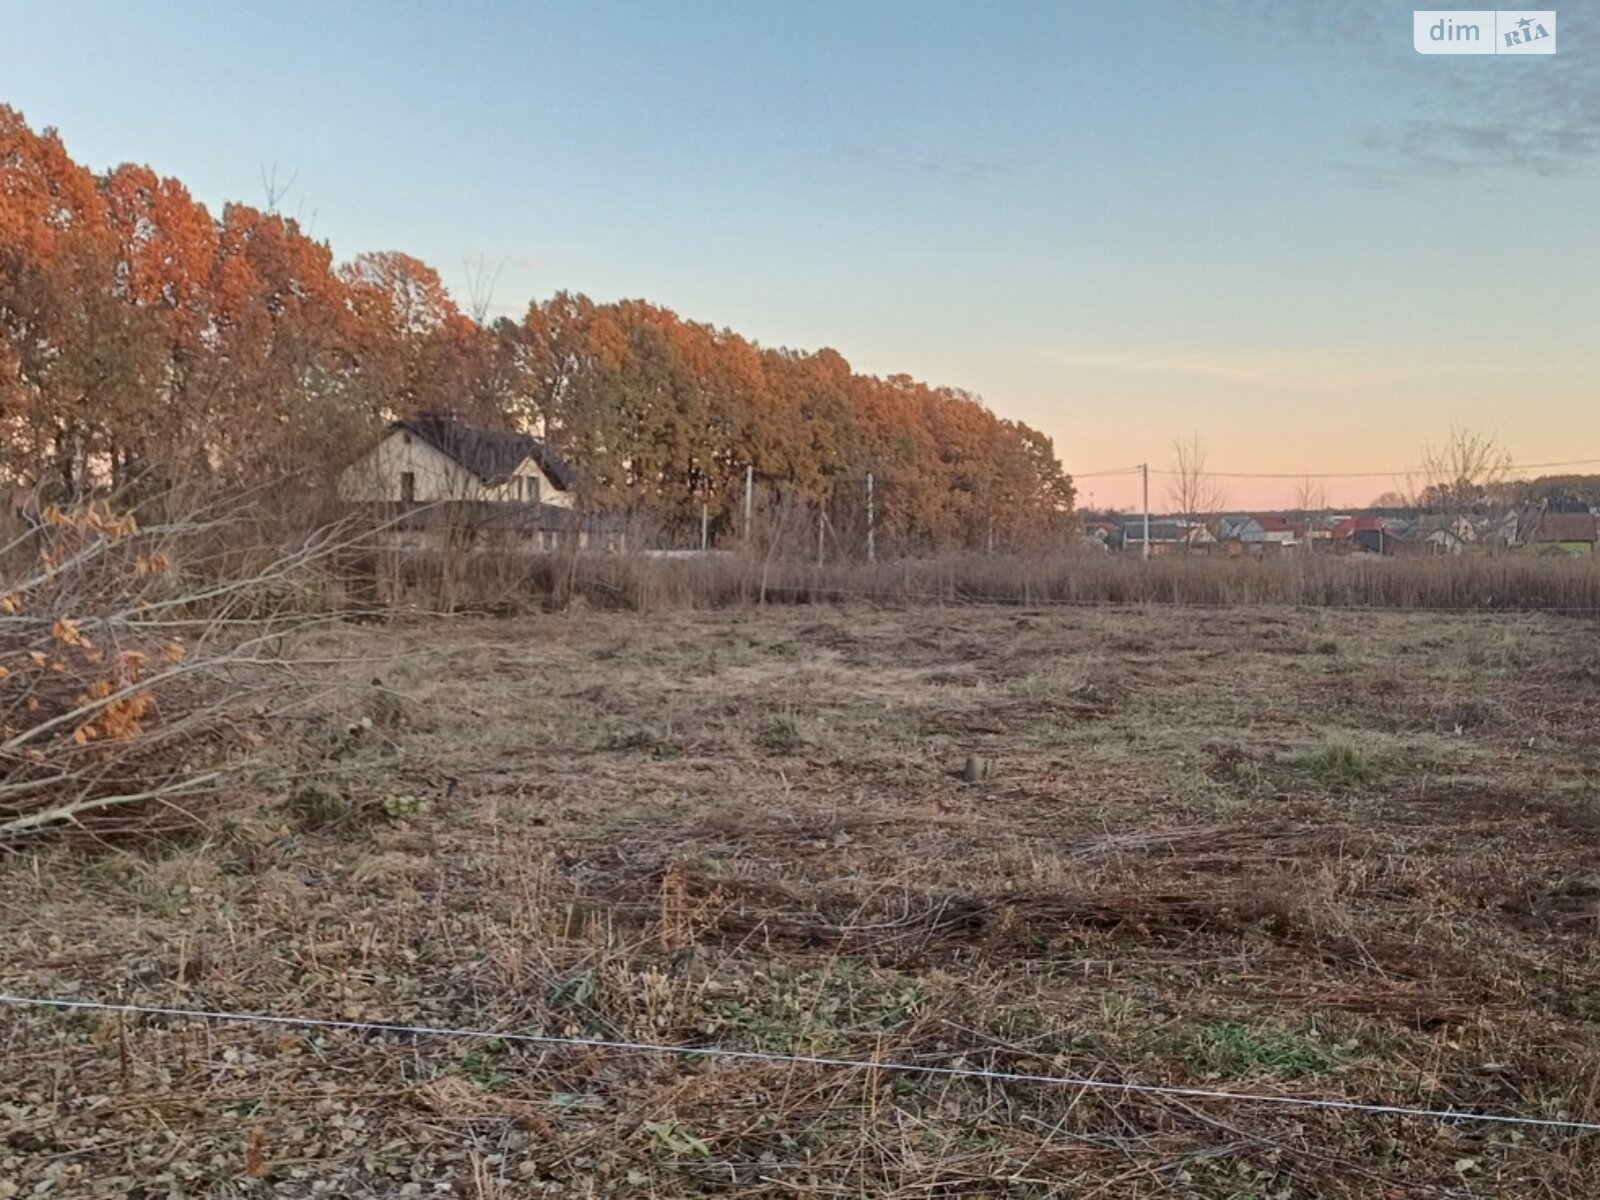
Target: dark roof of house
1160, 531
1351, 526
1538, 526
490, 454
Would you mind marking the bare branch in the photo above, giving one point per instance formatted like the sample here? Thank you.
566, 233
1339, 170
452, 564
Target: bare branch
269, 185
1461, 475
1310, 495
481, 283
1193, 492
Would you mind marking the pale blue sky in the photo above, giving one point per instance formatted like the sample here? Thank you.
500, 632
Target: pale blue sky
1271, 222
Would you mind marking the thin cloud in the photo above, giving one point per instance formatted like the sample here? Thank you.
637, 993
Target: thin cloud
1349, 23
1537, 117
961, 170
1448, 149
936, 168
1533, 116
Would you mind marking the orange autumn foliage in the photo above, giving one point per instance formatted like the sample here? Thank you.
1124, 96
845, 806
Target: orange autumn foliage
144, 339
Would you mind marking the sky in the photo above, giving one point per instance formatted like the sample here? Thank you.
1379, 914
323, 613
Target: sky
1271, 225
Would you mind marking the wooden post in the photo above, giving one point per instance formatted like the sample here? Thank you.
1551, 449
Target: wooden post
749, 499
705, 527
872, 533
1145, 470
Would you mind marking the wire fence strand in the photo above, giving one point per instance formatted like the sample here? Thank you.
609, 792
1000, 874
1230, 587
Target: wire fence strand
554, 1041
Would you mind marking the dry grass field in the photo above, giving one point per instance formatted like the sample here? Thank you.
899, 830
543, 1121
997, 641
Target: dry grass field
1274, 851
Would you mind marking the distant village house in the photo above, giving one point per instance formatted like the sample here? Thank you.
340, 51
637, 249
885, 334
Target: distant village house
432, 470
433, 457
1561, 532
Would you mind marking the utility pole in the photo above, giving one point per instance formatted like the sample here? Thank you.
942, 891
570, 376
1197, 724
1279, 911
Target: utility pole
822, 529
872, 533
705, 527
749, 499
1144, 469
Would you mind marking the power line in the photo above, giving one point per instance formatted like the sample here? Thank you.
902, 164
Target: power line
1402, 472
804, 1060
1133, 470
1405, 471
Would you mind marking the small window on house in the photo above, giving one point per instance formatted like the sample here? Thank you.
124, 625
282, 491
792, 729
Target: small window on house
408, 487
530, 488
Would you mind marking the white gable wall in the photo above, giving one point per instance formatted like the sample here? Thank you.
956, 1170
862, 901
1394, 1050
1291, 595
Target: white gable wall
378, 476
548, 492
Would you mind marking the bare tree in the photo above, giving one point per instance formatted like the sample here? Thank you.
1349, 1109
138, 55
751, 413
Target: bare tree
481, 282
270, 186
1193, 492
1310, 496
1463, 474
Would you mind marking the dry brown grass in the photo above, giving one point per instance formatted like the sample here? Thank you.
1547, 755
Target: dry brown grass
500, 579
749, 830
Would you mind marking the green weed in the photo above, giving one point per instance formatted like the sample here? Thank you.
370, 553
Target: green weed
781, 733
1338, 762
1233, 1048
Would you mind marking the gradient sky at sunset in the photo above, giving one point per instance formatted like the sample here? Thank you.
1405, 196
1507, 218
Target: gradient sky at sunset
1271, 223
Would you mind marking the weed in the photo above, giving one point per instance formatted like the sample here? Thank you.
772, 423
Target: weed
1118, 1013
660, 746
575, 991
480, 1067
387, 708
1232, 1048
1338, 762
670, 1139
400, 806
781, 733
317, 804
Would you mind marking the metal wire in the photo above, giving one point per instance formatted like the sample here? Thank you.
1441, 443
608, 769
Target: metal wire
802, 1060
958, 595
1511, 468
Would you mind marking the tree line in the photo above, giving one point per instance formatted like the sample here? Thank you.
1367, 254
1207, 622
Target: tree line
145, 340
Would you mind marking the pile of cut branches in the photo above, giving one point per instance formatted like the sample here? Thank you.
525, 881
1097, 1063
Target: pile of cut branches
133, 679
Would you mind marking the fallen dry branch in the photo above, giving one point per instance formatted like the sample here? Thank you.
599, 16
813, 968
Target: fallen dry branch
132, 676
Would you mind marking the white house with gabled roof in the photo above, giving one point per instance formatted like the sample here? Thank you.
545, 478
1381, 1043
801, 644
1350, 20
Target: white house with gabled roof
435, 458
